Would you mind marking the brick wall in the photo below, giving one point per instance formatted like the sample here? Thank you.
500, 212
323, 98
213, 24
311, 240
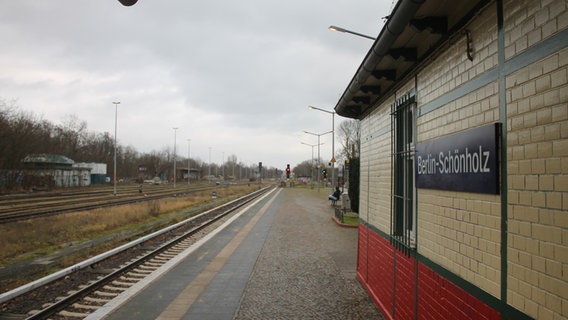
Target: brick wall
376, 270
537, 132
461, 232
362, 249
375, 174
528, 22
405, 290
441, 299
438, 298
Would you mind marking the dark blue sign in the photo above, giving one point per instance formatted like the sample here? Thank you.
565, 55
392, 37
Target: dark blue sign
466, 161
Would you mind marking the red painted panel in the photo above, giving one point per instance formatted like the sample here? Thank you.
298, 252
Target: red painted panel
438, 298
362, 253
381, 270
377, 272
405, 286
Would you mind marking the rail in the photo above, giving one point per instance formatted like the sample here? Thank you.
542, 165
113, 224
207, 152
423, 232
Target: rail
59, 305
10, 213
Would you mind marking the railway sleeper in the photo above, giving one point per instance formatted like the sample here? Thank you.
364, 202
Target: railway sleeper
132, 279
113, 288
135, 277
106, 294
140, 271
69, 314
36, 311
155, 263
123, 283
146, 265
95, 300
81, 306
138, 276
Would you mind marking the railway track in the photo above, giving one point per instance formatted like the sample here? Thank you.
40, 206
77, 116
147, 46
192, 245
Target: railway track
76, 292
26, 208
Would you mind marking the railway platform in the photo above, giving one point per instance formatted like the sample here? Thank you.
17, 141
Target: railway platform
282, 257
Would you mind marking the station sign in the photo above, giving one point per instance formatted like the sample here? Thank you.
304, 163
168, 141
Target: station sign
466, 161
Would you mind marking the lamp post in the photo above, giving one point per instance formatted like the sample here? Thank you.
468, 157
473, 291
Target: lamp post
115, 147
188, 163
332, 143
175, 142
339, 29
312, 166
209, 164
318, 135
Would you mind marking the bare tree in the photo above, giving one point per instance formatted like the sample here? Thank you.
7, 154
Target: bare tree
350, 137
70, 137
305, 169
23, 133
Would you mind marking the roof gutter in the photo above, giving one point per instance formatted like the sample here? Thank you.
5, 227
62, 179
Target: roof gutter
403, 12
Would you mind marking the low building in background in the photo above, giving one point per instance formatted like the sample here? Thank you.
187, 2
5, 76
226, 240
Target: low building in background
45, 171
98, 171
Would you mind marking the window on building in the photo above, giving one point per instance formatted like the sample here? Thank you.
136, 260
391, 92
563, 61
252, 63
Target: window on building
403, 217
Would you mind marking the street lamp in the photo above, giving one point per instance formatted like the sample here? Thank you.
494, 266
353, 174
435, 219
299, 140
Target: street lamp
209, 164
339, 29
175, 142
332, 143
312, 166
318, 135
115, 123
188, 163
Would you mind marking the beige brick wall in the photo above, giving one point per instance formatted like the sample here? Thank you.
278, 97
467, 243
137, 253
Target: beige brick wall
375, 188
528, 22
376, 174
452, 68
462, 231
537, 139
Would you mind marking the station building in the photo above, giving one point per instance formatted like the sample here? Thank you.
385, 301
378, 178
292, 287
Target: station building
464, 160
53, 170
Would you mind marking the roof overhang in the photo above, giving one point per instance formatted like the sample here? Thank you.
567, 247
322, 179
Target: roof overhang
412, 33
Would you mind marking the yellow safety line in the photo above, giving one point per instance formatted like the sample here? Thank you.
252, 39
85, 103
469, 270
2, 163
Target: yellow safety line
181, 304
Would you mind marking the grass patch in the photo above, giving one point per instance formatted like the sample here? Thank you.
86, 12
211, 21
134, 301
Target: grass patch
351, 219
25, 240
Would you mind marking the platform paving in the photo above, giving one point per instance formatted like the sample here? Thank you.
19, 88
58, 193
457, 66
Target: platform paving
283, 258
307, 266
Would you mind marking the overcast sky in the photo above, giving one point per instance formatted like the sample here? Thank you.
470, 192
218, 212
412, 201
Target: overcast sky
233, 76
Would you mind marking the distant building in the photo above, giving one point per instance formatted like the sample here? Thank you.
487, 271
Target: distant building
98, 173
192, 173
55, 170
464, 160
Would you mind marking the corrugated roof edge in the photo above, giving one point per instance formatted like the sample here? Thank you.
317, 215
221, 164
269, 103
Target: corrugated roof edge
401, 15
47, 158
